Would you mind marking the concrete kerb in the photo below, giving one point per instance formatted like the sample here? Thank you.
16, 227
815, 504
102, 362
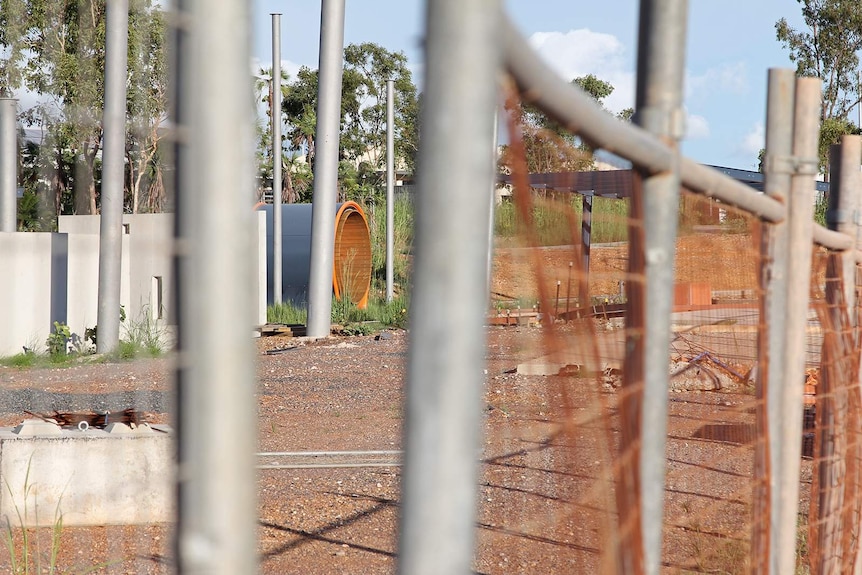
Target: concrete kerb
113, 476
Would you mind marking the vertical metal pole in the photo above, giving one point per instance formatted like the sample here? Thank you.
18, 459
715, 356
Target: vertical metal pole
806, 122
216, 425
661, 55
277, 191
8, 165
444, 388
492, 207
835, 472
771, 350
325, 167
390, 189
113, 161
844, 197
586, 242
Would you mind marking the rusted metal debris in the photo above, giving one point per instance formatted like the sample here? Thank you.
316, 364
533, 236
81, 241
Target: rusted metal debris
93, 419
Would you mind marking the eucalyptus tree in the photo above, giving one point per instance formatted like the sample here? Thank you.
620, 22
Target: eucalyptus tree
829, 49
548, 146
147, 104
56, 50
367, 67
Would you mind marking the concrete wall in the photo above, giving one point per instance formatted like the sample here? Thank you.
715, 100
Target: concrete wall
55, 277
32, 288
89, 477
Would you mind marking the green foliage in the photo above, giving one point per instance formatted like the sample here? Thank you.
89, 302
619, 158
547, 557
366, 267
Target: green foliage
552, 224
20, 360
829, 49
403, 240
287, 313
377, 315
57, 339
367, 66
821, 206
144, 336
57, 51
549, 146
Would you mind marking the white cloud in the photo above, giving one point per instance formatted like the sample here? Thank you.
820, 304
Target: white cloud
729, 78
753, 142
580, 52
696, 127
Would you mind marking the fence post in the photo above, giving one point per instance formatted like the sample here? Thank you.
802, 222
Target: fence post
661, 55
325, 167
215, 377
835, 481
390, 190
113, 156
789, 393
8, 164
277, 180
773, 283
442, 428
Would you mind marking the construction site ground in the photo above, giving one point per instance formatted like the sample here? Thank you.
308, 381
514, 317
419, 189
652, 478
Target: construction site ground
545, 497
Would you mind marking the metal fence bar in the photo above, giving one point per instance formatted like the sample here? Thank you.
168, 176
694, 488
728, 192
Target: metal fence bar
835, 482
325, 167
8, 164
843, 211
658, 109
771, 350
390, 189
444, 389
580, 114
806, 124
113, 160
277, 188
217, 512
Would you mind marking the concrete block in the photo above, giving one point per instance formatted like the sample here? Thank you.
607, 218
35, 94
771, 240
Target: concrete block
90, 477
37, 428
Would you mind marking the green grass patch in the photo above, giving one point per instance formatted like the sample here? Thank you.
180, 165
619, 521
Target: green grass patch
378, 315
557, 221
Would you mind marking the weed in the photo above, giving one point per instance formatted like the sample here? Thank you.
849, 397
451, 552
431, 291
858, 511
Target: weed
20, 360
287, 313
29, 557
57, 339
144, 336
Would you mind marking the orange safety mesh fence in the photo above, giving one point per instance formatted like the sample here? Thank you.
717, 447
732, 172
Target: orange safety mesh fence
565, 404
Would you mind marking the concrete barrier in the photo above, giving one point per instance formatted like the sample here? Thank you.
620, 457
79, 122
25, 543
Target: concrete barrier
112, 476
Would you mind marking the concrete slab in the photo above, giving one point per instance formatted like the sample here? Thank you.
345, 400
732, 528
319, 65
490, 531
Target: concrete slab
607, 354
89, 477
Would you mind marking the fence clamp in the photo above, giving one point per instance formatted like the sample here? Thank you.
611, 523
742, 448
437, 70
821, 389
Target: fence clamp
791, 165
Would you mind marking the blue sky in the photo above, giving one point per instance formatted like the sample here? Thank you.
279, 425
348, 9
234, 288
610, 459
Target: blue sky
731, 45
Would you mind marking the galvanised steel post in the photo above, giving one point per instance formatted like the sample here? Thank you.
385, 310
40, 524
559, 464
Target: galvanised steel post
661, 59
843, 214
837, 481
800, 222
390, 189
8, 164
492, 208
216, 425
113, 163
325, 168
770, 347
277, 275
445, 364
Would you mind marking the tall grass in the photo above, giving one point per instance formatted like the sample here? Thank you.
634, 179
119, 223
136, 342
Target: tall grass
380, 313
557, 221
403, 240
